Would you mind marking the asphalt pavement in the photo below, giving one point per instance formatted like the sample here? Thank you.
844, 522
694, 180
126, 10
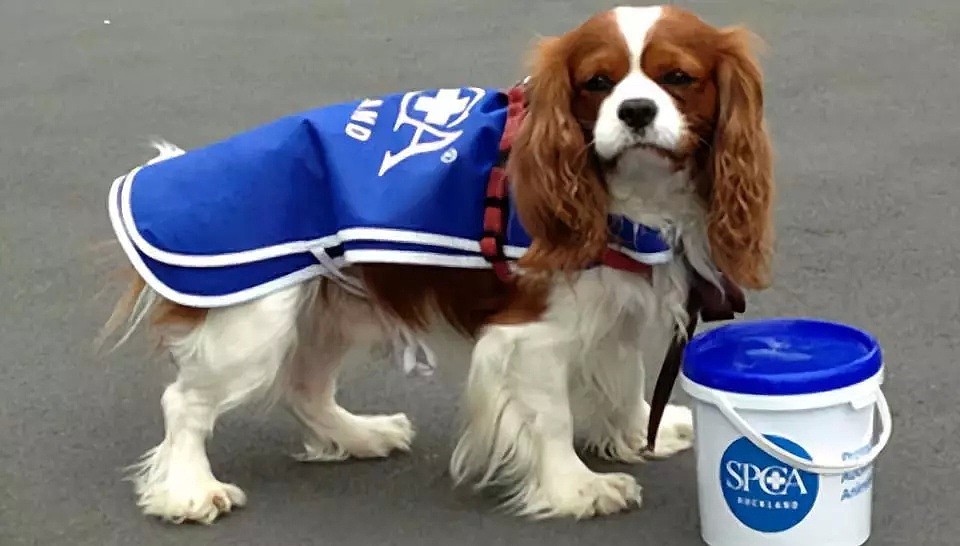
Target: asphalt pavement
863, 103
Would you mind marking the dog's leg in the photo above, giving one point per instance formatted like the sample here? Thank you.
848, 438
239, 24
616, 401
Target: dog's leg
610, 409
233, 355
612, 413
519, 428
331, 433
607, 393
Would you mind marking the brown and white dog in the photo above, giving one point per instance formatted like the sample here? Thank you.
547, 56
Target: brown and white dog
646, 112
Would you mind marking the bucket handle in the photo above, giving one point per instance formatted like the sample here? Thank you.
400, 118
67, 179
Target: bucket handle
784, 456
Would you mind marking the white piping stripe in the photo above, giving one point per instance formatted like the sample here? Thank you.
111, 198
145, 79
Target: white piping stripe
132, 242
415, 258
193, 300
213, 260
413, 237
515, 252
285, 249
353, 256
345, 235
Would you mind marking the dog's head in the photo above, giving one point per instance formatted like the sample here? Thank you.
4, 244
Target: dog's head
651, 80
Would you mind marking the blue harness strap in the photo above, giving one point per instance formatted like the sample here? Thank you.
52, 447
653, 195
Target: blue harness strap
401, 178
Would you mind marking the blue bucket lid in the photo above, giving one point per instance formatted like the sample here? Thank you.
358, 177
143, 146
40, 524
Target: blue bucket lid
782, 357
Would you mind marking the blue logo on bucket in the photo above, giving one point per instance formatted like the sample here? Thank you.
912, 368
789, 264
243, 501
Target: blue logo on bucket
763, 493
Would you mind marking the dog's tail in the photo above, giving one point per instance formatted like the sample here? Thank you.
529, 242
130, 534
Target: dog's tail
136, 302
138, 299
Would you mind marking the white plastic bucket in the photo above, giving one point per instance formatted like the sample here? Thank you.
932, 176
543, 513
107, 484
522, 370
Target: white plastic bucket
785, 412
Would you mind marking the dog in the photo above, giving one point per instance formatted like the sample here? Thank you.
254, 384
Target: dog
633, 160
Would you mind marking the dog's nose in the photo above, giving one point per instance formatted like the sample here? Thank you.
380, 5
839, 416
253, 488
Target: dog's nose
637, 113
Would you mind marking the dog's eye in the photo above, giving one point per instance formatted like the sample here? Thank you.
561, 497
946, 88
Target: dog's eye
677, 77
598, 84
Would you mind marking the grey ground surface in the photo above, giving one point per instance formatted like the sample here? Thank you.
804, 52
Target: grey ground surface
862, 100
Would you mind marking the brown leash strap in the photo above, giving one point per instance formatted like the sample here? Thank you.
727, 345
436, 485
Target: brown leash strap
670, 370
703, 300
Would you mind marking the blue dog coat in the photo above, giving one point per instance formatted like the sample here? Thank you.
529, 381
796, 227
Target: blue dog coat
396, 179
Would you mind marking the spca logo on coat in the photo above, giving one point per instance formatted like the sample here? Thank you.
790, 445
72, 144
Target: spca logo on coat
763, 493
433, 115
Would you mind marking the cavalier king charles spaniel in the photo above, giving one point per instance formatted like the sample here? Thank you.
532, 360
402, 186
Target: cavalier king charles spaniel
646, 113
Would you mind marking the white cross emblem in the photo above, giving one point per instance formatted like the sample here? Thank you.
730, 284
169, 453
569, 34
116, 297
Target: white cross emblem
776, 481
441, 108
444, 111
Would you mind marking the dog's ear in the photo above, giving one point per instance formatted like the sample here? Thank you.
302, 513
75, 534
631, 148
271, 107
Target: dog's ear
740, 225
560, 199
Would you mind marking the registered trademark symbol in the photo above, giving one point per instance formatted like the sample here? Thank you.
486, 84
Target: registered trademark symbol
449, 156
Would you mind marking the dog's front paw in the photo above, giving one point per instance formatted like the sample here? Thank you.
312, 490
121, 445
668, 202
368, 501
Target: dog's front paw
201, 501
675, 434
619, 446
585, 495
